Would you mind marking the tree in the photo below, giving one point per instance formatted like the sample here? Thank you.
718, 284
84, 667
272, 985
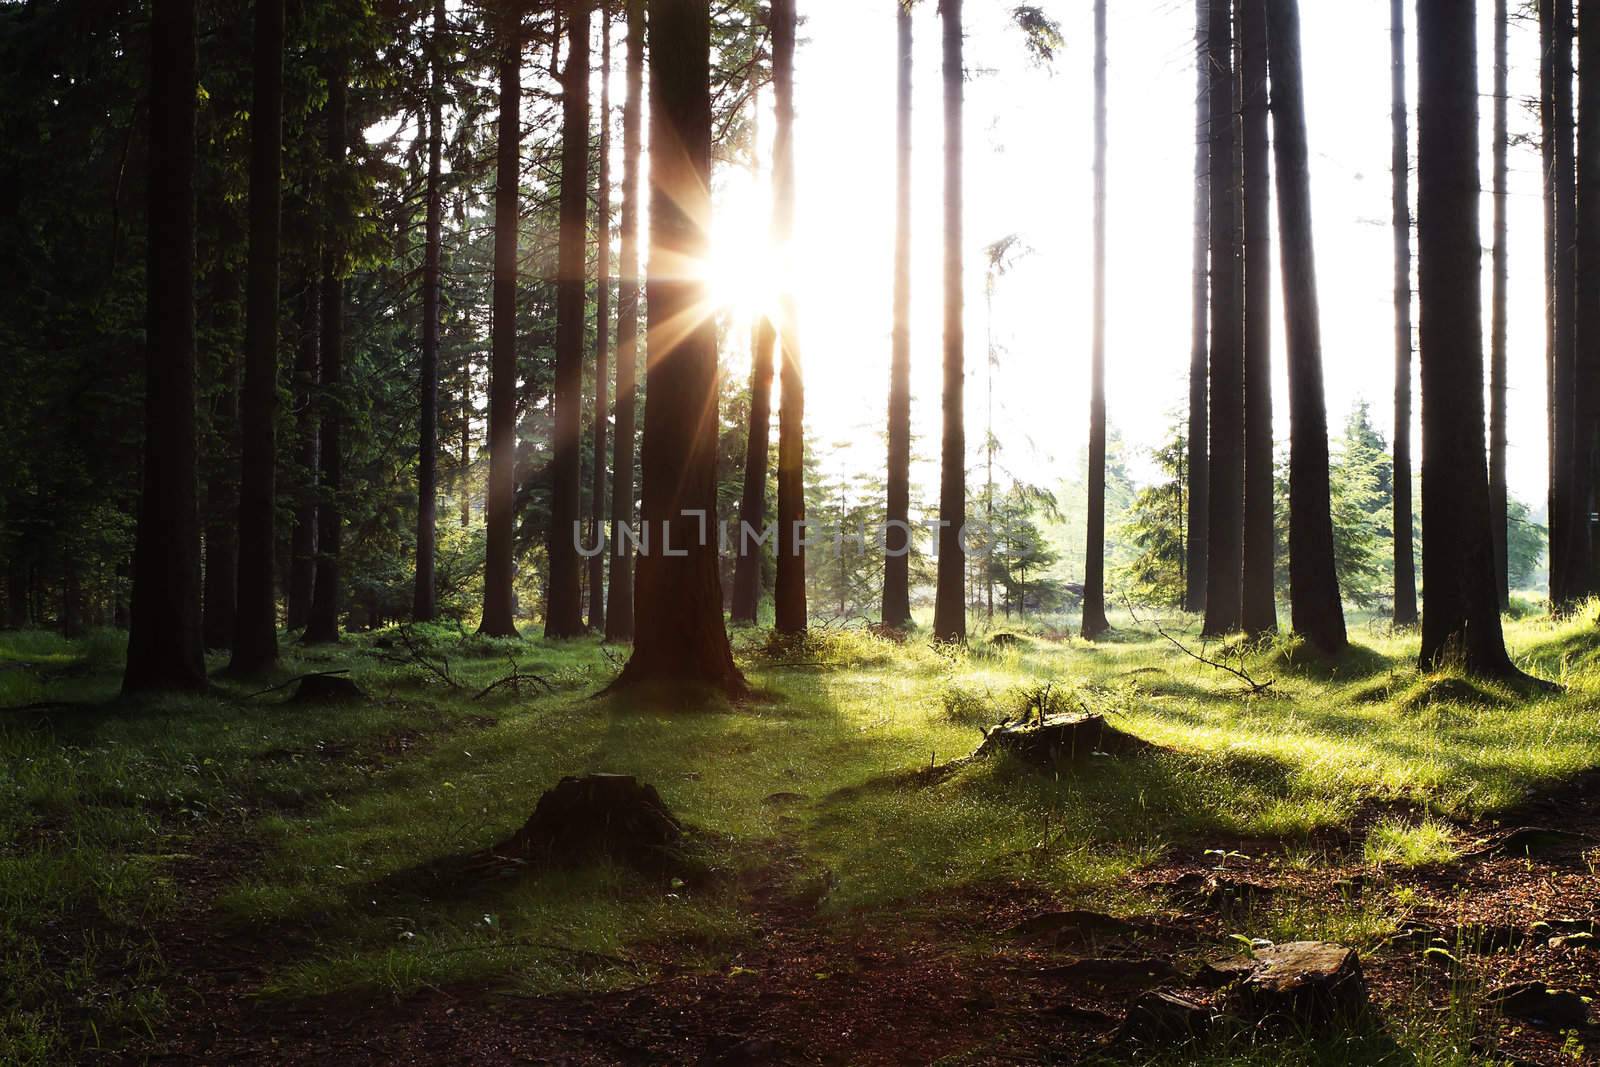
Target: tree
424, 597
303, 535
1094, 581
1582, 561
602, 332
897, 543
164, 641
1225, 510
753, 496
1199, 489
789, 595
1405, 575
255, 642
680, 636
564, 613
619, 607
1313, 583
1259, 607
1461, 622
322, 625
499, 568
950, 600
1498, 500
1565, 529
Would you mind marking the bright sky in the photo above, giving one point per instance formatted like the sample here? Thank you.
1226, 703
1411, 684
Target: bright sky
1028, 172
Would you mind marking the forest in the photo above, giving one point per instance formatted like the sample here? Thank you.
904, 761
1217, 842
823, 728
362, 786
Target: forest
437, 626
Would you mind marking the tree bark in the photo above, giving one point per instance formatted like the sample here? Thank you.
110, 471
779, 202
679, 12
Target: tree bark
1315, 605
1094, 581
680, 637
322, 626
897, 530
1405, 563
564, 614
602, 336
789, 594
1461, 623
219, 593
753, 497
1199, 468
1565, 553
424, 598
950, 597
303, 538
1259, 608
1498, 498
619, 609
1225, 516
164, 644
499, 571
255, 639
1586, 351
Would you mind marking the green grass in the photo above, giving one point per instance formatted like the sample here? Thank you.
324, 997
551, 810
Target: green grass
319, 825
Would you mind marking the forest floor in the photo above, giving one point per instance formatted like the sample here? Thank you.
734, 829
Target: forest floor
240, 878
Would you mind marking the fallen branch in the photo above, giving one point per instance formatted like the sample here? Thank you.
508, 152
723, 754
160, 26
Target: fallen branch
297, 678
1240, 672
515, 680
415, 656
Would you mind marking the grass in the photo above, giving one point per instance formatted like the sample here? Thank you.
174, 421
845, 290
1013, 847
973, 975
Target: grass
320, 825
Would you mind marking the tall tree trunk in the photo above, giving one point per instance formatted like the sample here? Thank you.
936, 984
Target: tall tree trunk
164, 645
950, 597
1498, 499
424, 598
1462, 620
71, 596
1314, 601
322, 626
219, 583
1259, 611
18, 616
464, 474
303, 538
1405, 562
1564, 519
500, 505
564, 615
753, 497
1586, 350
619, 608
1199, 467
897, 527
789, 594
602, 335
1094, 581
255, 640
1225, 515
680, 636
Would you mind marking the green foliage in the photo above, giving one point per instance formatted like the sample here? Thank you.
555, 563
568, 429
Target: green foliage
1155, 529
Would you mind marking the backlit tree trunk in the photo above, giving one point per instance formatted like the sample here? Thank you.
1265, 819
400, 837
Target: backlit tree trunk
424, 604
500, 503
619, 608
789, 594
255, 641
1199, 467
897, 544
1094, 581
564, 614
1586, 353
219, 592
1225, 518
1462, 618
950, 597
322, 626
1498, 502
680, 636
1259, 611
753, 498
1405, 565
602, 336
1565, 554
164, 643
1317, 611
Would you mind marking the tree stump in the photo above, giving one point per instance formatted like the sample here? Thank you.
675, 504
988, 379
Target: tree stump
1162, 1018
328, 689
1060, 739
1305, 984
601, 817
